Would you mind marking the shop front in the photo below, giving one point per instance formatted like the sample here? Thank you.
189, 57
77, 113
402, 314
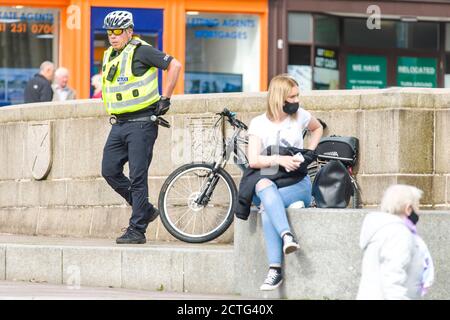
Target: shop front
359, 45
221, 44
28, 36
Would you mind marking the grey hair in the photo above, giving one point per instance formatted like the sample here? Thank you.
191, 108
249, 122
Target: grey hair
61, 71
399, 196
45, 65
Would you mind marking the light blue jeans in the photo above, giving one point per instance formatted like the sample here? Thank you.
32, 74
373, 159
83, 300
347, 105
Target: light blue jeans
274, 218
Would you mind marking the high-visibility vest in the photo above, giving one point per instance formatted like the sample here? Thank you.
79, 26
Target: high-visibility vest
127, 92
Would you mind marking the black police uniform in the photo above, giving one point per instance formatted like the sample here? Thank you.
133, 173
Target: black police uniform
133, 141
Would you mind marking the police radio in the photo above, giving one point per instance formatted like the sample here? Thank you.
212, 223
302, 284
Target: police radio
112, 72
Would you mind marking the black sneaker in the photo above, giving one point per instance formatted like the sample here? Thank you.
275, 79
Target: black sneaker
131, 236
154, 215
289, 243
273, 280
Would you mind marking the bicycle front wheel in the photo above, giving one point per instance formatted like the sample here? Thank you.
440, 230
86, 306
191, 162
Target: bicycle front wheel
187, 220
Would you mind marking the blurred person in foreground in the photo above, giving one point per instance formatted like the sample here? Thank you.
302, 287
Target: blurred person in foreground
396, 263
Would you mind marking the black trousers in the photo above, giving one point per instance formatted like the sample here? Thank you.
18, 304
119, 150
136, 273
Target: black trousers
132, 142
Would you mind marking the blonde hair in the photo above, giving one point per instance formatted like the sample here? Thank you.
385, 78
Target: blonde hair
399, 196
279, 90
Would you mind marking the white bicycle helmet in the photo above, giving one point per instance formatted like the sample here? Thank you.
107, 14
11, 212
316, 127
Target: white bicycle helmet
118, 20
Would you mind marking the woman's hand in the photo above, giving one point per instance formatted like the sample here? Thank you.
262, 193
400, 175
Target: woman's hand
290, 163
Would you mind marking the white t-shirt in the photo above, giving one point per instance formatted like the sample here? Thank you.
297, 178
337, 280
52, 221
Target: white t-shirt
288, 133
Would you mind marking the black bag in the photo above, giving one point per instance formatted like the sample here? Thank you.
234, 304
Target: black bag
332, 186
339, 148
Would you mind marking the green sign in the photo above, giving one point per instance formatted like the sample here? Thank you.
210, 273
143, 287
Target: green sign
416, 72
366, 72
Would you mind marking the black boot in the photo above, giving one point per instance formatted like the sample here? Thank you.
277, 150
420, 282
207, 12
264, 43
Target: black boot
131, 236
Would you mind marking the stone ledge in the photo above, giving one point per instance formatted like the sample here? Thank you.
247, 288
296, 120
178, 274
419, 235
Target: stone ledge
396, 98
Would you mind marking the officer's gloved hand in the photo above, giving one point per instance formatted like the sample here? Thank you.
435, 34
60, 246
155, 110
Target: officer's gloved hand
162, 106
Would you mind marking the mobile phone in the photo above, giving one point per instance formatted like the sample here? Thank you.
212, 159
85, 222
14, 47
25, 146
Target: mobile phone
300, 157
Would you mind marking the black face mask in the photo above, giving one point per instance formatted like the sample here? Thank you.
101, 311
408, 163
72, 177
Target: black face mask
413, 217
290, 107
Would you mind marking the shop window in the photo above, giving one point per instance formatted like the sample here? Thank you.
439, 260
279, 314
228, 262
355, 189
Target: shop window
326, 73
417, 72
393, 34
299, 65
326, 30
356, 34
424, 35
366, 72
447, 70
222, 53
447, 37
299, 55
28, 37
300, 27
417, 35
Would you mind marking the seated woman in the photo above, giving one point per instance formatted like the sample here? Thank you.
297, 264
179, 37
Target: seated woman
281, 125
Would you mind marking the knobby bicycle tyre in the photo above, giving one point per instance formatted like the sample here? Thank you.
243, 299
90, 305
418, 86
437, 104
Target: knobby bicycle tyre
167, 212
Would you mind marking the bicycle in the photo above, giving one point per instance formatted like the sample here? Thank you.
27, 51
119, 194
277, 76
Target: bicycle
197, 200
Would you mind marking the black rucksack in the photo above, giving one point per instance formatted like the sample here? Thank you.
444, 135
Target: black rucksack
332, 186
339, 148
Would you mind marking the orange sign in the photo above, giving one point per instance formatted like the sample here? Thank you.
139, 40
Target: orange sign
23, 27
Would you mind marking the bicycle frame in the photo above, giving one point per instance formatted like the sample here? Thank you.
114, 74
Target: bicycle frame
230, 146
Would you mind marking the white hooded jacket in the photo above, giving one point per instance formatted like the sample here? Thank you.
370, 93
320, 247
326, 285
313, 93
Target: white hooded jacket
396, 262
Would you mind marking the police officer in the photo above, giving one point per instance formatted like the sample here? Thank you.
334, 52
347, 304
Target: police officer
130, 94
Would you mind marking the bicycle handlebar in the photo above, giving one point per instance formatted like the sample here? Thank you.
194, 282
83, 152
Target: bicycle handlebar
231, 117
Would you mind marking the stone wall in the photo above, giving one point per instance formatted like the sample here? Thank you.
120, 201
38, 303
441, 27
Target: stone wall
328, 264
404, 138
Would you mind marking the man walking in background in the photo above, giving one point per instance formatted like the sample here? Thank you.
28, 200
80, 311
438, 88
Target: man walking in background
61, 91
39, 88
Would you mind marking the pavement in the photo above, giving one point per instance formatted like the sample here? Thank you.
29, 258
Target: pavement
18, 290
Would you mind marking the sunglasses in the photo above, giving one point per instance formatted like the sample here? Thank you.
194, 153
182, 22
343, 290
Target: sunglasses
116, 32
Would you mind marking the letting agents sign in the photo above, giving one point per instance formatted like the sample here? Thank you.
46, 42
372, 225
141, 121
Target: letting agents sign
416, 72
